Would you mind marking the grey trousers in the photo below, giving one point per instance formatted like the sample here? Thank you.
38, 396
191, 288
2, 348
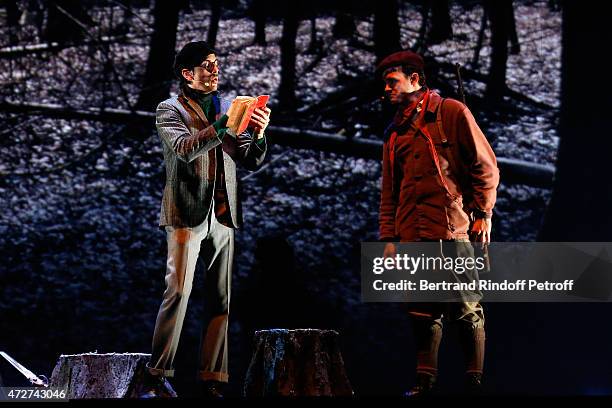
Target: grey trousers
213, 242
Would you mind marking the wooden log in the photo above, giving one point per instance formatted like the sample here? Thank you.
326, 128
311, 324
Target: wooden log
513, 171
110, 115
295, 363
16, 51
93, 375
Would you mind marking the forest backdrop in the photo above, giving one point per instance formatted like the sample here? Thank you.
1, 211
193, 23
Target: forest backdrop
81, 173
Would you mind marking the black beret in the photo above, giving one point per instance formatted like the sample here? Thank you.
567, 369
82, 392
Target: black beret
191, 55
401, 58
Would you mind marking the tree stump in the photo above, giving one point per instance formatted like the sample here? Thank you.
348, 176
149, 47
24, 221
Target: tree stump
304, 362
93, 375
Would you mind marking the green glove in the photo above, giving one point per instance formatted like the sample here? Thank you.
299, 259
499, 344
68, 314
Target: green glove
261, 142
221, 124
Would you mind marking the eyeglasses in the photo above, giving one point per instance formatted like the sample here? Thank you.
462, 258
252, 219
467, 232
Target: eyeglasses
209, 65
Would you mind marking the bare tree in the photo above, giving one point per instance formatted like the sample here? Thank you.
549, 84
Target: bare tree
12, 20
497, 10
420, 42
258, 11
481, 33
315, 43
213, 26
582, 194
344, 26
286, 91
441, 28
158, 74
503, 28
386, 28
66, 20
515, 47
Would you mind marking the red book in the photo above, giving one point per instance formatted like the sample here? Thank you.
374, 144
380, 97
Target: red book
242, 109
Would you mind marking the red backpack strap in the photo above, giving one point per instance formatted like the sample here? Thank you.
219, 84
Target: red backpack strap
436, 159
439, 122
458, 171
445, 144
450, 157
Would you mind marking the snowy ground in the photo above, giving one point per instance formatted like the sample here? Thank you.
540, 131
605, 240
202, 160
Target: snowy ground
82, 253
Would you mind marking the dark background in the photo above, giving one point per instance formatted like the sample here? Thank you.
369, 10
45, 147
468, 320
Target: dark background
82, 257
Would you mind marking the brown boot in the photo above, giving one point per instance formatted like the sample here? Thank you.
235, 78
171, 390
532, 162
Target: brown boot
424, 386
473, 341
473, 384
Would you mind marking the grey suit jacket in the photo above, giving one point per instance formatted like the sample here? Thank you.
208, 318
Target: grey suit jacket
187, 139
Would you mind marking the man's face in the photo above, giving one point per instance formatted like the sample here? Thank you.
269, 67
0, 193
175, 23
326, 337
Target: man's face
397, 85
204, 77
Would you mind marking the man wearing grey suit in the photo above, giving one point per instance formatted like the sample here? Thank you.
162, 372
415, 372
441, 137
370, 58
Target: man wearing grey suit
200, 210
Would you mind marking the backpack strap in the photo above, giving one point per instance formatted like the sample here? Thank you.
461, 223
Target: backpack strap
444, 140
450, 157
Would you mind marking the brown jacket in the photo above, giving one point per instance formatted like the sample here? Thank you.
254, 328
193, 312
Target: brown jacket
414, 202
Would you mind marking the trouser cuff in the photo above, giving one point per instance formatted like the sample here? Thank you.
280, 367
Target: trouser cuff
427, 370
160, 371
213, 376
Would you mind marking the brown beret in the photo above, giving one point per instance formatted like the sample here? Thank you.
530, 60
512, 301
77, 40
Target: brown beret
401, 58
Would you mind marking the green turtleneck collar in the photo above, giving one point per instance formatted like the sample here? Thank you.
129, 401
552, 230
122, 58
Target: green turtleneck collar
205, 100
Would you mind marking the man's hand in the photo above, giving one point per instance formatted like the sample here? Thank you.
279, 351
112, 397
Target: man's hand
389, 251
260, 120
481, 230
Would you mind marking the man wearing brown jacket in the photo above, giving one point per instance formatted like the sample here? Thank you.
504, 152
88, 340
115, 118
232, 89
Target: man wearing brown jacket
439, 181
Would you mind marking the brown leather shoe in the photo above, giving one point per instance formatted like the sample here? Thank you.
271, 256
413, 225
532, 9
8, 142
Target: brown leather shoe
424, 386
473, 383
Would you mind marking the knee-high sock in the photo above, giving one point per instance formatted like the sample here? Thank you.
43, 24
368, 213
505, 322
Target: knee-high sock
428, 334
473, 342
